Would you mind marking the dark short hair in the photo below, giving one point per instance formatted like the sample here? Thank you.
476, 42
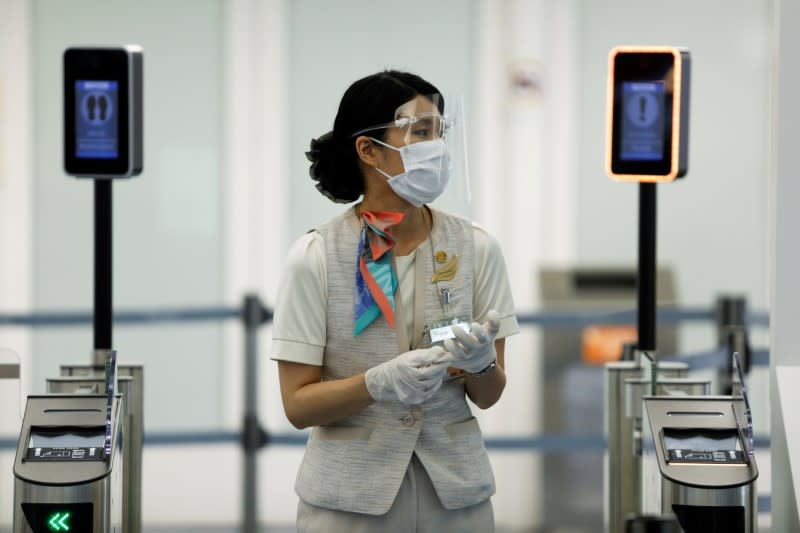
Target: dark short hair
367, 102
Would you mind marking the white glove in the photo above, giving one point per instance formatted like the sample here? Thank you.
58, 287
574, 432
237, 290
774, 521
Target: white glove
474, 351
411, 377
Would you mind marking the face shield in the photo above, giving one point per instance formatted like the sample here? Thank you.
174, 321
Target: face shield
439, 119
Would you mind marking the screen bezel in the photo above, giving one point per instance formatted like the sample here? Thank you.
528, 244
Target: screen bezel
97, 65
644, 66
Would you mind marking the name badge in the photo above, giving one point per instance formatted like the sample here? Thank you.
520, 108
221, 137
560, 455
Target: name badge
442, 330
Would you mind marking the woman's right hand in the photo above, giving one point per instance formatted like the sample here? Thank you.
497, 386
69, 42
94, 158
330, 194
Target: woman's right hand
411, 377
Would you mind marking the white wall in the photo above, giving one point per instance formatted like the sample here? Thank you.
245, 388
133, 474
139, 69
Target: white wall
15, 175
15, 220
785, 263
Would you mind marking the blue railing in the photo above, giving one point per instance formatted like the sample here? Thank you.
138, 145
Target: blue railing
553, 443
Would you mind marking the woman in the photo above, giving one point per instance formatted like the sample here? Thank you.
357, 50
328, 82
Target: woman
394, 445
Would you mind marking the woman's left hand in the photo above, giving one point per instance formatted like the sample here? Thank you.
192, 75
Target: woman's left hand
474, 351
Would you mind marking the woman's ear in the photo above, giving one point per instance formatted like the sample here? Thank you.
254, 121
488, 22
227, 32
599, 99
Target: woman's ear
366, 150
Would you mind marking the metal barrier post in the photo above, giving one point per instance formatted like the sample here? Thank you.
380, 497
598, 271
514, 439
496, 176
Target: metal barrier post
253, 435
622, 463
132, 389
731, 321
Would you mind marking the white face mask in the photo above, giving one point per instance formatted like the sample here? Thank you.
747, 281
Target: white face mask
427, 171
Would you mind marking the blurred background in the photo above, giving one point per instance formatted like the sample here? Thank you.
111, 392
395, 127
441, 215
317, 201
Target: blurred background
234, 91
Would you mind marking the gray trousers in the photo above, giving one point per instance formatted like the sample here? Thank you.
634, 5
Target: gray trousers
416, 509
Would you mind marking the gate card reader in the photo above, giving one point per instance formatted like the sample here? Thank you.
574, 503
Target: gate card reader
103, 112
703, 446
697, 465
66, 444
647, 136
65, 479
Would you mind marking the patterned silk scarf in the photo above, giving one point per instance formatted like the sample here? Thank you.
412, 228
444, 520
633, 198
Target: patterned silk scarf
376, 280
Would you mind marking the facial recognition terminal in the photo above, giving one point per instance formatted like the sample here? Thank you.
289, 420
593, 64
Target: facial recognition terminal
103, 112
648, 113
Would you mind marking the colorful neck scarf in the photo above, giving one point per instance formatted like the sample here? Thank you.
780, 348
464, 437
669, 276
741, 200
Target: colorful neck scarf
376, 280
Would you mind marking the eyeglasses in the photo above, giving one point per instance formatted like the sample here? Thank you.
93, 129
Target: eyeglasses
421, 126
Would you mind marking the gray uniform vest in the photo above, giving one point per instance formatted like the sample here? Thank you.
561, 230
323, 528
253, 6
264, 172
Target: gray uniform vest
358, 464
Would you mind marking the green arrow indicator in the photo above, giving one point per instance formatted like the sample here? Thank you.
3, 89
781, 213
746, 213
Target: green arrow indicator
58, 522
63, 522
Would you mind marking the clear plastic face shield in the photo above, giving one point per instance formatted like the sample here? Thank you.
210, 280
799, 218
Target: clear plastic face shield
438, 121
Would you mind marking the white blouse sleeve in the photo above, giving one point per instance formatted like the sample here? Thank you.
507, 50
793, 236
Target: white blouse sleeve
492, 289
299, 324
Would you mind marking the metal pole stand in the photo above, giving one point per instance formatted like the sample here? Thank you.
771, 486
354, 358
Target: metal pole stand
629, 380
646, 281
103, 266
254, 314
732, 336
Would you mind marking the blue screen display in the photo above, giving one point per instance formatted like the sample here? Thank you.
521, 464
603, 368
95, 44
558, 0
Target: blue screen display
96, 108
643, 121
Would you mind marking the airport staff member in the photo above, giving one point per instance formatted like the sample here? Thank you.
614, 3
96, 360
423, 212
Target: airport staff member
364, 301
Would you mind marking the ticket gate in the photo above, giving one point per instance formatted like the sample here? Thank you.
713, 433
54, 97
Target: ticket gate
133, 392
132, 407
626, 382
68, 465
697, 464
